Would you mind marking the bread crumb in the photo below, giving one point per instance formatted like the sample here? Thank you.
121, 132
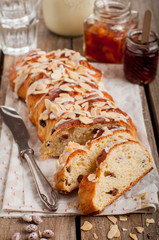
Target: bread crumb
112, 219
143, 195
139, 229
113, 231
143, 205
124, 229
86, 226
149, 221
133, 236
95, 236
123, 218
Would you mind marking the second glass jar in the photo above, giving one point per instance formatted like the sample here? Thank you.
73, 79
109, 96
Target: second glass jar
105, 31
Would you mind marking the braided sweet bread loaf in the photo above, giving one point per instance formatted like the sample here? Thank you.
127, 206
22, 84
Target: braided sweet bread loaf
66, 98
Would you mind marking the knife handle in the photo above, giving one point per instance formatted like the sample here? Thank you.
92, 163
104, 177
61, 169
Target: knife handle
47, 194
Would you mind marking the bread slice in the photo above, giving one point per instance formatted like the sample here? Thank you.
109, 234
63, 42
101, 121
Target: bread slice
77, 161
124, 165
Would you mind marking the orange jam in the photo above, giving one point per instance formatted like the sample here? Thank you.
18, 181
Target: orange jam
105, 31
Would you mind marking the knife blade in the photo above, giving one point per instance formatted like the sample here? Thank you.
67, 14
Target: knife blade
21, 136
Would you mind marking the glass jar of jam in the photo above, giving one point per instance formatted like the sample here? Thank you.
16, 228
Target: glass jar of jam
141, 59
106, 29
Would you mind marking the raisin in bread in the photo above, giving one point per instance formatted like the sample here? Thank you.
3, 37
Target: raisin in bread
77, 160
66, 98
124, 165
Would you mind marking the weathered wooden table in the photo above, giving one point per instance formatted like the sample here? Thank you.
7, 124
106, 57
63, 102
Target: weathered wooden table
68, 228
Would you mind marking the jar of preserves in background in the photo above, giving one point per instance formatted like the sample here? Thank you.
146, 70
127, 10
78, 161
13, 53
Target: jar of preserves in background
66, 17
106, 29
141, 59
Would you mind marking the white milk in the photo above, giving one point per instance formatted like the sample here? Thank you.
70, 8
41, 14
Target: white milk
66, 17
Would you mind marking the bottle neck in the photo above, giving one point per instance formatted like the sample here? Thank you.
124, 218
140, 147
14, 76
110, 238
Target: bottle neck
113, 11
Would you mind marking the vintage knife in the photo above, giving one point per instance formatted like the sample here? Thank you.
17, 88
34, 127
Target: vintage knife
15, 123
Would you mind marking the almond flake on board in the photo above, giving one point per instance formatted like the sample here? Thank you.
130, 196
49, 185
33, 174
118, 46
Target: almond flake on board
112, 219
123, 218
139, 229
149, 221
95, 236
85, 120
124, 229
113, 231
86, 226
117, 233
133, 236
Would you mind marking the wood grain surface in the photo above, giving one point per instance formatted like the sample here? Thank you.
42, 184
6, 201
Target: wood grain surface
68, 228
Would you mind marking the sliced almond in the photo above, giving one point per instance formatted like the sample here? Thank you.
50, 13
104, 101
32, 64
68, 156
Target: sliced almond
69, 115
71, 63
64, 95
112, 219
42, 59
66, 87
86, 226
56, 74
124, 229
52, 107
40, 87
77, 107
32, 88
91, 177
86, 86
117, 235
95, 236
82, 69
99, 104
68, 106
78, 97
85, 120
43, 116
75, 56
149, 221
79, 90
118, 232
74, 75
139, 229
133, 236
123, 218
112, 232
85, 106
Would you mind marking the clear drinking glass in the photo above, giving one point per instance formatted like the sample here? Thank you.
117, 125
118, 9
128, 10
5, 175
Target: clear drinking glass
18, 25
